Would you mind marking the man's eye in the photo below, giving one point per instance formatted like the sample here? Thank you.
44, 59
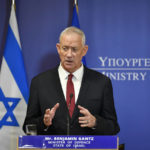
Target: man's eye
65, 48
74, 49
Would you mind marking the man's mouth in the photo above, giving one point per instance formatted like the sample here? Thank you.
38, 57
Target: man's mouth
69, 61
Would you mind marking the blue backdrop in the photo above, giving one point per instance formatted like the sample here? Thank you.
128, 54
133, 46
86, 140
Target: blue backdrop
118, 35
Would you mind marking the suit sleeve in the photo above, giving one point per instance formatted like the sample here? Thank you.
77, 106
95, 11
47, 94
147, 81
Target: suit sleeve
106, 122
34, 114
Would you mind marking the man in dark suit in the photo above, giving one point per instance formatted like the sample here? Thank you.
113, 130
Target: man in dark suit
72, 99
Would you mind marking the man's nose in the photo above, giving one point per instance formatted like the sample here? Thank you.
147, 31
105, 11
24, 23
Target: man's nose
69, 52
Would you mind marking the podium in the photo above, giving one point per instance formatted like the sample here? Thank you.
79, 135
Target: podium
68, 142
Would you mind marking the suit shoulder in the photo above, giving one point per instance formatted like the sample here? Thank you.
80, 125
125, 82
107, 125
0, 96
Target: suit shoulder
96, 75
97, 78
47, 74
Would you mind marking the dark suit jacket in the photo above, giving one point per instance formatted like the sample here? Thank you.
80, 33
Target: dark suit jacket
95, 94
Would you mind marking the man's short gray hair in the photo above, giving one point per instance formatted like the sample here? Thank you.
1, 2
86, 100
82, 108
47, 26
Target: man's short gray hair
73, 29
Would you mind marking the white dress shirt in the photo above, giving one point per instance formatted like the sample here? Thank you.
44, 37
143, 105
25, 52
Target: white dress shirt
76, 79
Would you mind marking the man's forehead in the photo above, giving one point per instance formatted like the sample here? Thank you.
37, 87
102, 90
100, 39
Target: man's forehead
71, 35
71, 39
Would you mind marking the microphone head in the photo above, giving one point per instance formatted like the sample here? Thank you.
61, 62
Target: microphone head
71, 95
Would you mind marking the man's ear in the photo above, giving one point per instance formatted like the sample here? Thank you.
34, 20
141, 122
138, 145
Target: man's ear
58, 47
85, 49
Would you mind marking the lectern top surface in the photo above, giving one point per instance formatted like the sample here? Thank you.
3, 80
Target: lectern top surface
68, 142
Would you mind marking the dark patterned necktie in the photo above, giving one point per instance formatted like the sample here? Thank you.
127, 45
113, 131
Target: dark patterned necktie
70, 95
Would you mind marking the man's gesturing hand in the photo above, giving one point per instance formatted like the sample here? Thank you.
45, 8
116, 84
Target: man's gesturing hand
88, 120
49, 115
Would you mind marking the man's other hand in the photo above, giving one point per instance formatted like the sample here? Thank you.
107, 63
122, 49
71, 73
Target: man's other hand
49, 115
88, 120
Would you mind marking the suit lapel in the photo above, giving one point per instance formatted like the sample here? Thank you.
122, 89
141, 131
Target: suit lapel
82, 94
59, 92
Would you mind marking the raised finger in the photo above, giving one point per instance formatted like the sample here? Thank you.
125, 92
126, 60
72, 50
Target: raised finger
55, 107
84, 125
84, 112
81, 108
82, 118
47, 111
83, 121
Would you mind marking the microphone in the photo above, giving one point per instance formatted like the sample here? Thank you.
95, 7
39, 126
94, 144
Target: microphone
71, 96
68, 119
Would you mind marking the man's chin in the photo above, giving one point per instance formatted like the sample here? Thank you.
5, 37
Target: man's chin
68, 67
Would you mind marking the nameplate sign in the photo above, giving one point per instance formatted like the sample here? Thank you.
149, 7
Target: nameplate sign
68, 142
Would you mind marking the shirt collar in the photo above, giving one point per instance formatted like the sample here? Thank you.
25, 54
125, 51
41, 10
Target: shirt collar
78, 74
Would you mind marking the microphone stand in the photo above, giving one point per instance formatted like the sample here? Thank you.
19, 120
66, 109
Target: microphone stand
68, 119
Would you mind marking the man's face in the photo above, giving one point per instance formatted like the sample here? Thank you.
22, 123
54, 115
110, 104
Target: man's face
71, 51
